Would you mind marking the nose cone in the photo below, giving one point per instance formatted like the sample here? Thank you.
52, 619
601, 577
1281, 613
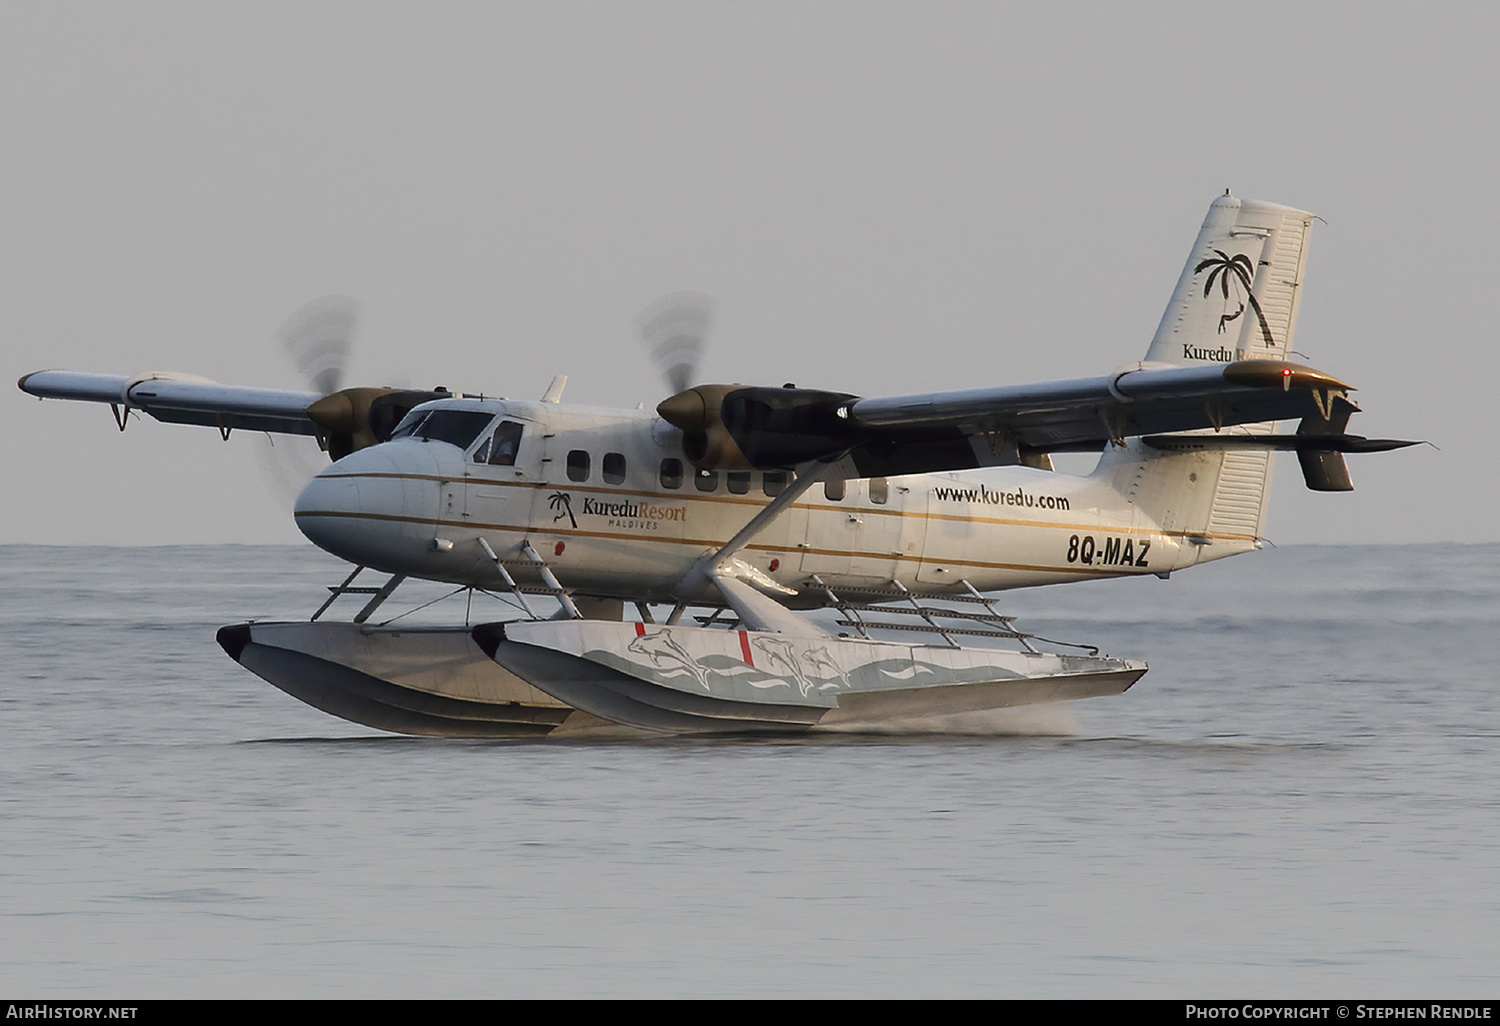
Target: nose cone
328, 509
377, 507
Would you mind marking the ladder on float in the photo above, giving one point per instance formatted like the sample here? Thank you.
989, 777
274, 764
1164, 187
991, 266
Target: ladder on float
550, 584
379, 594
853, 601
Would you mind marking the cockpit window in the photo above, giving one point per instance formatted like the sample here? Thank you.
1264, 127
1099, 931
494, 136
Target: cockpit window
409, 423
456, 427
504, 445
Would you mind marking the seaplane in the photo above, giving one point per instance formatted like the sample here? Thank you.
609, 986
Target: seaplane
792, 559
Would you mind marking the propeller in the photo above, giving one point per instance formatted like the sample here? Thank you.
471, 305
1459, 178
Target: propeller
318, 339
673, 329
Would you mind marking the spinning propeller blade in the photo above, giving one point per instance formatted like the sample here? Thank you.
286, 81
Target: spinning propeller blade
673, 329
318, 338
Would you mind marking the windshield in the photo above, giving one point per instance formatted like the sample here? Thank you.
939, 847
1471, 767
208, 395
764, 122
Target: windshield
409, 423
456, 427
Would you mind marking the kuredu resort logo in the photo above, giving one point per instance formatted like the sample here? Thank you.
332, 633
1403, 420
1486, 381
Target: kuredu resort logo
1233, 275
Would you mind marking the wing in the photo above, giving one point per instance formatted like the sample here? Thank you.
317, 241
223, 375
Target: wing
343, 421
182, 399
730, 426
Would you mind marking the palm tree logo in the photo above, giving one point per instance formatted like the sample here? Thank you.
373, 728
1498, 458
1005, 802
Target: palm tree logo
564, 502
1225, 268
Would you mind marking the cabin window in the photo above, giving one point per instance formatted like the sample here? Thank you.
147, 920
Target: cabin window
706, 480
456, 427
614, 467
774, 483
505, 444
578, 465
739, 481
834, 489
880, 490
671, 473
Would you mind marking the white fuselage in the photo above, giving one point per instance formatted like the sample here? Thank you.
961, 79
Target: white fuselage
608, 501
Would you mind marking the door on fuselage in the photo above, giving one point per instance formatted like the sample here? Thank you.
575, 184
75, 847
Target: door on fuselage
950, 535
499, 477
859, 530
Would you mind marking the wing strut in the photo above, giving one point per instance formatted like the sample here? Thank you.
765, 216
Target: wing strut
742, 584
808, 475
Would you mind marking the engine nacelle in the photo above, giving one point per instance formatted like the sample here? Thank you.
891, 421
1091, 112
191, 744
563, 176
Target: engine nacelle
357, 418
730, 427
706, 442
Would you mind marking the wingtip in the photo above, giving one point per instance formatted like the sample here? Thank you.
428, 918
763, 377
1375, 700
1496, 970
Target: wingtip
1280, 374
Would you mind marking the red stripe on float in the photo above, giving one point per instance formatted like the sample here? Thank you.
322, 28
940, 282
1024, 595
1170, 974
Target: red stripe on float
745, 647
640, 629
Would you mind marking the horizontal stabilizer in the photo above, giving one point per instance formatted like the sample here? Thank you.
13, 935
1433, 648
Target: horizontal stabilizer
1321, 456
1281, 443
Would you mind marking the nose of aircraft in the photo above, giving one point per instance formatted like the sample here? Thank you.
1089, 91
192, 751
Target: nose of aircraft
377, 507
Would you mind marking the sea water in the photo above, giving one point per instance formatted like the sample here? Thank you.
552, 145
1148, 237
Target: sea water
1300, 799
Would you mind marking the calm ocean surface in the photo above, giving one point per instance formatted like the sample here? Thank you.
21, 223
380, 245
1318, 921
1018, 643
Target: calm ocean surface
1301, 799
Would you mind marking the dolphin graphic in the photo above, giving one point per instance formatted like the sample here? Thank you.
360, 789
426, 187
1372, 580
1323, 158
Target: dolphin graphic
666, 654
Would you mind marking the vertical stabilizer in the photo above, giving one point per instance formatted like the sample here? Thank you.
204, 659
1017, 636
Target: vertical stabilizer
1237, 297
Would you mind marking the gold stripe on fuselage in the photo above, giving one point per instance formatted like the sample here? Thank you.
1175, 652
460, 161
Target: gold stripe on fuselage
704, 497
699, 544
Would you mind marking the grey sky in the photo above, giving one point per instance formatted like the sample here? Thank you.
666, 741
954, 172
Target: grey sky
881, 197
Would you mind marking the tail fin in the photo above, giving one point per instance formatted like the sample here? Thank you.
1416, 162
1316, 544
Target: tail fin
1237, 297
1236, 300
